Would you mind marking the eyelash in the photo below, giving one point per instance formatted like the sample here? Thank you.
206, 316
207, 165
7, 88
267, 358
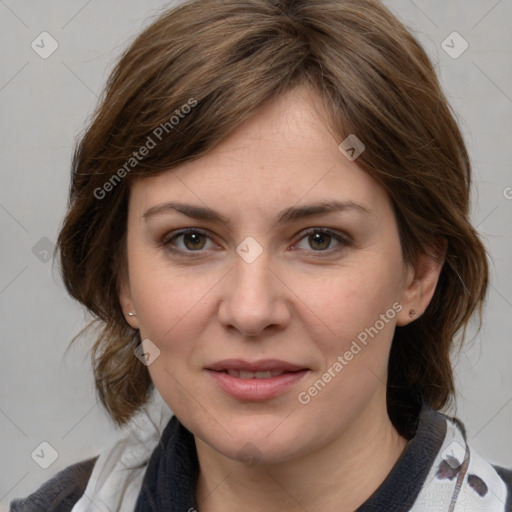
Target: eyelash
167, 241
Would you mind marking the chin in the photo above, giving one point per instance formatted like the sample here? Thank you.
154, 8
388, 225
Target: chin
255, 442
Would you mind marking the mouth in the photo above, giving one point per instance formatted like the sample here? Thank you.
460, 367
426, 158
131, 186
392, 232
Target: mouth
245, 375
259, 380
263, 369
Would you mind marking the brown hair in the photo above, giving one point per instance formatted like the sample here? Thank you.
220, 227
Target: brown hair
225, 59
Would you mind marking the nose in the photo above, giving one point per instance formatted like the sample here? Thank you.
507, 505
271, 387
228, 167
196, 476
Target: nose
255, 299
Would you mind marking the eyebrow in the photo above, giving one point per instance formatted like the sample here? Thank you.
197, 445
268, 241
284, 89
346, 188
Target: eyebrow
292, 213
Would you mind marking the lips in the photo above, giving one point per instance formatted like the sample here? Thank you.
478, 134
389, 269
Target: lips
256, 381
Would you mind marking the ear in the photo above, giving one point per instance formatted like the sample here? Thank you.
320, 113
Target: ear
420, 282
127, 305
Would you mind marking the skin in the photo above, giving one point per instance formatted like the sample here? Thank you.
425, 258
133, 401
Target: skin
303, 300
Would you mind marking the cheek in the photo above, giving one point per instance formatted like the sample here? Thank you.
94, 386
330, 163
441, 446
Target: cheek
359, 307
172, 305
173, 312
355, 298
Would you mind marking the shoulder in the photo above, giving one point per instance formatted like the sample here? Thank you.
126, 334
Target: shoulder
60, 493
461, 476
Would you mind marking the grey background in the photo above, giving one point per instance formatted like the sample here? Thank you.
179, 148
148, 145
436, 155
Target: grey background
45, 396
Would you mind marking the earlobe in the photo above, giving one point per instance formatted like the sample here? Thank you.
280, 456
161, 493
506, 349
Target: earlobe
420, 284
126, 302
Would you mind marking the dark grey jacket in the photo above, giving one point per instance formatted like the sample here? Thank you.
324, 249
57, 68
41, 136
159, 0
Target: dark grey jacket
169, 480
60, 493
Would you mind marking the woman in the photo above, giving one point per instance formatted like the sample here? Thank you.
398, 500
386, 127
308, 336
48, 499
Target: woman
269, 219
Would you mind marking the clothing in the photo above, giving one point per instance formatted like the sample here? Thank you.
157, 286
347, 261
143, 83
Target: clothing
153, 471
61, 492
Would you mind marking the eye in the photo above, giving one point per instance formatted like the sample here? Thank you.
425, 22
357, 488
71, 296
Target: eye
194, 240
187, 240
320, 240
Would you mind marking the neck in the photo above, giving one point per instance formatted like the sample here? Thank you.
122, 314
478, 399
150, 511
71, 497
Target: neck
339, 477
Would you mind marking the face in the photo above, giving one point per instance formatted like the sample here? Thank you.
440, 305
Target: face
248, 269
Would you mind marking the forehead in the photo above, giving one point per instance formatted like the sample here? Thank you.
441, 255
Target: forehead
284, 154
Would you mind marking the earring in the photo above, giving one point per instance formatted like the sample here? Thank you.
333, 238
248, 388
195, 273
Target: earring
131, 314
412, 313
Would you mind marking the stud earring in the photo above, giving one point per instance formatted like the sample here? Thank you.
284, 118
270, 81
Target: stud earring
412, 313
131, 314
